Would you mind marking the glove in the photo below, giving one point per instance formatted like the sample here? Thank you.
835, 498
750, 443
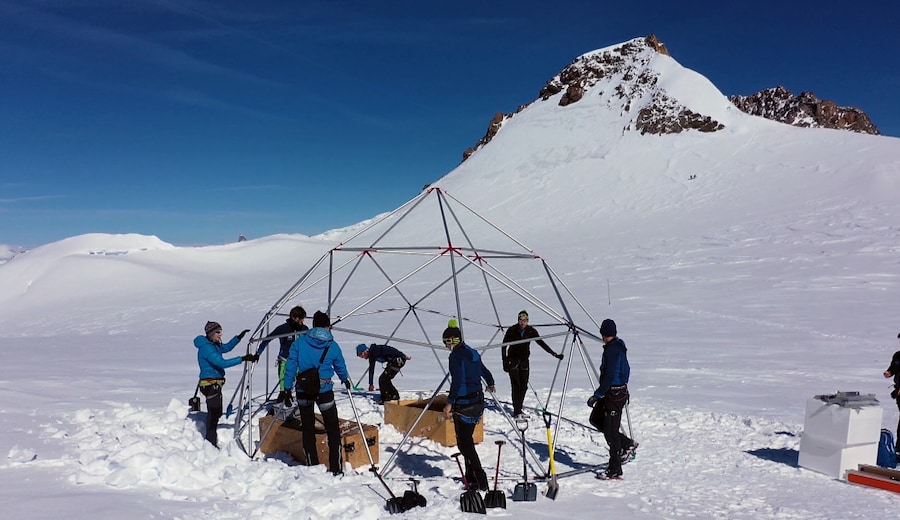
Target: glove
558, 356
253, 358
243, 332
592, 400
287, 399
348, 384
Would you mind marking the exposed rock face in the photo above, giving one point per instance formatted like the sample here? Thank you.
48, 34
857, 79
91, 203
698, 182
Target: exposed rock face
806, 110
666, 116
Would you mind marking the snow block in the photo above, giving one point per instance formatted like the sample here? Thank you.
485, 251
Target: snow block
402, 414
842, 425
833, 459
840, 432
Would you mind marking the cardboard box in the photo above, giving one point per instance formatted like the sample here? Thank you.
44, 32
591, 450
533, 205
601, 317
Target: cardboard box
288, 437
402, 414
832, 459
844, 425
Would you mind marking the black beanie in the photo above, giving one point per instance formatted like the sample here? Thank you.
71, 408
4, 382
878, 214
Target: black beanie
608, 328
452, 330
320, 319
211, 327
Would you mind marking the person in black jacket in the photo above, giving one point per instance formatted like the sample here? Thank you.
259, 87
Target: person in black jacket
465, 403
610, 398
286, 333
515, 358
393, 361
894, 371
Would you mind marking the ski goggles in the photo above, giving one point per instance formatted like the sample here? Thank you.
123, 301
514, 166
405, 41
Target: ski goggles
451, 341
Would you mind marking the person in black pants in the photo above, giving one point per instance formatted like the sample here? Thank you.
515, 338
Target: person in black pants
894, 371
393, 361
317, 348
610, 398
212, 372
465, 403
289, 330
515, 358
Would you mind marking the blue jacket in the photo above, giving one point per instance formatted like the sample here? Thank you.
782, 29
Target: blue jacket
209, 357
466, 371
382, 354
614, 368
305, 353
286, 341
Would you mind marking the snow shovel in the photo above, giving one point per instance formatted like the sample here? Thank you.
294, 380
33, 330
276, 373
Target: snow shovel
524, 491
552, 486
194, 402
394, 505
412, 498
495, 497
470, 501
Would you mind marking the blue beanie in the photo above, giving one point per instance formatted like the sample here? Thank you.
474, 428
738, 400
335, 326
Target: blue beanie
361, 348
608, 328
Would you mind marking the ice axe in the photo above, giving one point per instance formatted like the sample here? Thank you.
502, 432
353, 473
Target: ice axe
470, 501
495, 497
552, 486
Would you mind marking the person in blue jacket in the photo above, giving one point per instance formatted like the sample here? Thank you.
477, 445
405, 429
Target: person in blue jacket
610, 398
305, 353
465, 403
212, 371
286, 333
393, 361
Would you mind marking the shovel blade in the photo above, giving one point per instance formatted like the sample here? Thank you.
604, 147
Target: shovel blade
472, 502
495, 498
552, 489
412, 499
525, 492
394, 506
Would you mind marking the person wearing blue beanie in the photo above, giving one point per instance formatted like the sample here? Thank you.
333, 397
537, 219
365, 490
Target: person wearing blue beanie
393, 361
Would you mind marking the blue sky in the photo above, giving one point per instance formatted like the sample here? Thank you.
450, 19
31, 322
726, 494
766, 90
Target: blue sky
199, 121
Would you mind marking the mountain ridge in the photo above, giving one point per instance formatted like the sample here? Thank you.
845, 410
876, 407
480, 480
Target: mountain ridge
666, 115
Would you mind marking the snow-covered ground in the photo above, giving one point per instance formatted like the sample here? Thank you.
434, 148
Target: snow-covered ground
769, 278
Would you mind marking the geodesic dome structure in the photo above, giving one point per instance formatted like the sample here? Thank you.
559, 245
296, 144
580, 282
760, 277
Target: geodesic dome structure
402, 276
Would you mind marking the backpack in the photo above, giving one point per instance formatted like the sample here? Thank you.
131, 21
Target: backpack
887, 454
308, 381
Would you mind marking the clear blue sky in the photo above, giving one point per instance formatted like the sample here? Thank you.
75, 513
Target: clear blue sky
197, 121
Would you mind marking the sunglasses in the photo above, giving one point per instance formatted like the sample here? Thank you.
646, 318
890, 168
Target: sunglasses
451, 341
217, 332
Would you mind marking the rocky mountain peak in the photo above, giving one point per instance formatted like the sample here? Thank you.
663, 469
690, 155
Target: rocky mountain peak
629, 83
806, 110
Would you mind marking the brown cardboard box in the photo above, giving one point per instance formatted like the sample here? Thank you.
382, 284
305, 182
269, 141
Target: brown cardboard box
286, 436
402, 414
